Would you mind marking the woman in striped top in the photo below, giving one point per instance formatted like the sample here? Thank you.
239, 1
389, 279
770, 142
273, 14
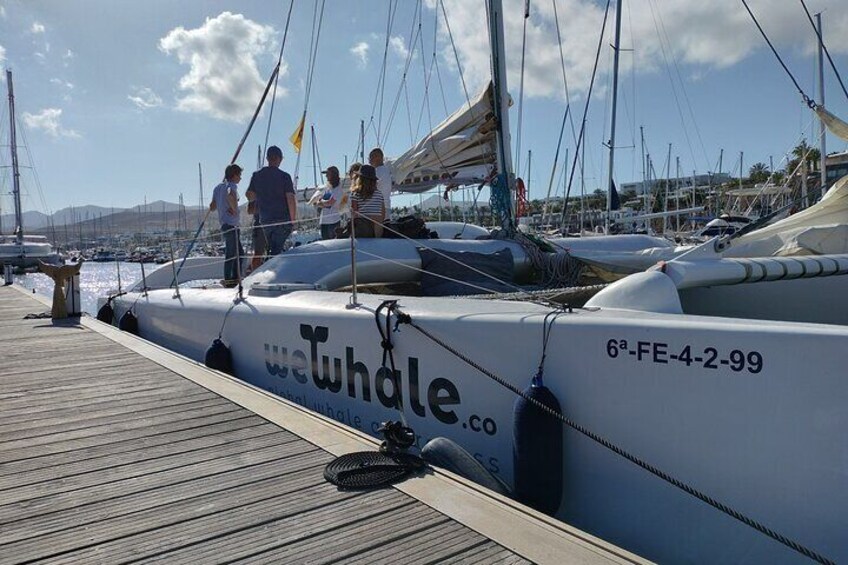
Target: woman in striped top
366, 202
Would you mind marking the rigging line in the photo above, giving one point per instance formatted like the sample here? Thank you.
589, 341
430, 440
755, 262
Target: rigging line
428, 75
564, 76
407, 319
585, 113
310, 72
824, 47
436, 60
408, 116
662, 34
455, 53
414, 33
44, 205
554, 167
807, 100
441, 84
426, 99
521, 88
389, 26
407, 64
382, 70
277, 79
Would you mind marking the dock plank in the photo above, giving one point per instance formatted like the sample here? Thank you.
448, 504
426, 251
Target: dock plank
112, 451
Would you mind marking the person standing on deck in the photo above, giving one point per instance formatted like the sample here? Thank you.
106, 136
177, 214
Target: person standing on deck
384, 177
225, 200
329, 202
273, 192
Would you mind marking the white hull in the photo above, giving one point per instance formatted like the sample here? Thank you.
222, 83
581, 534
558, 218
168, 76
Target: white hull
768, 442
27, 255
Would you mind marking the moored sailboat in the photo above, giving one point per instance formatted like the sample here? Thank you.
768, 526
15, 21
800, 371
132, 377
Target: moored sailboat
710, 399
21, 250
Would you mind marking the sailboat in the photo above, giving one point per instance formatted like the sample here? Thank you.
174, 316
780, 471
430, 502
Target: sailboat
677, 368
21, 250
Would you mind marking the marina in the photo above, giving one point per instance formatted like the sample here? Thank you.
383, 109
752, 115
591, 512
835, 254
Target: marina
413, 356
115, 450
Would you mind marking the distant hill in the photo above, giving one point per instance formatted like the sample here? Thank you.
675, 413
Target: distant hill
90, 222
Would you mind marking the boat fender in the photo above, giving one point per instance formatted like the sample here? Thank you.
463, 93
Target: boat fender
538, 450
444, 453
106, 313
128, 323
218, 357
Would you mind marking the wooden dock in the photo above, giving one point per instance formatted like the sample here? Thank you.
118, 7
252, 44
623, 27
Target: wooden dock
114, 450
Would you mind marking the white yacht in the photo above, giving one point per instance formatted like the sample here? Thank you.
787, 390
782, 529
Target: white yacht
20, 250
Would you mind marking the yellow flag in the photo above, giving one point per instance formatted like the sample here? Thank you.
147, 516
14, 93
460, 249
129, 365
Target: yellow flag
297, 137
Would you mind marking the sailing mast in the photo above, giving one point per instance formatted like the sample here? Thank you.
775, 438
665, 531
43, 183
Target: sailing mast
616, 50
16, 174
502, 185
822, 128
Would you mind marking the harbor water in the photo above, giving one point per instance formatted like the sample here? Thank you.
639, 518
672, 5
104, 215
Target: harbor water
96, 281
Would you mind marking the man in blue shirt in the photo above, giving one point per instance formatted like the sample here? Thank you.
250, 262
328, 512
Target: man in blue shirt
272, 191
225, 199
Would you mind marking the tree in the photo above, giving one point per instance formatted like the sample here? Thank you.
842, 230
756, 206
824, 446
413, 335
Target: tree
759, 172
802, 151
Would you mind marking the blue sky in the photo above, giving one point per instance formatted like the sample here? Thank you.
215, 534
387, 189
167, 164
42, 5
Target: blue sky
120, 100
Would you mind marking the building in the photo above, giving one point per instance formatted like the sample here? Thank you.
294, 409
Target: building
837, 167
710, 179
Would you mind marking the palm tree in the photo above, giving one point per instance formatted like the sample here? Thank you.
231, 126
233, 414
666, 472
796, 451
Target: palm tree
802, 151
759, 172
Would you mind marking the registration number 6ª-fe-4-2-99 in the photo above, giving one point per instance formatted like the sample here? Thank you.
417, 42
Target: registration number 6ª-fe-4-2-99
737, 360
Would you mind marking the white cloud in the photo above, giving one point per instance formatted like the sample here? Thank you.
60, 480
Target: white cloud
360, 52
223, 80
701, 36
398, 46
2, 55
36, 28
60, 82
2, 13
48, 120
145, 98
68, 54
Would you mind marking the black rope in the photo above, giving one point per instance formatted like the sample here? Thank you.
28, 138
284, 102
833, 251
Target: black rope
824, 47
547, 326
388, 354
807, 100
404, 318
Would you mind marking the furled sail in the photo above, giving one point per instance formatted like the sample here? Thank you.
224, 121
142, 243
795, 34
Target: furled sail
460, 150
835, 125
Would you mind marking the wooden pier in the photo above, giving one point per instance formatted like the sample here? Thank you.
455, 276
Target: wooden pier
114, 450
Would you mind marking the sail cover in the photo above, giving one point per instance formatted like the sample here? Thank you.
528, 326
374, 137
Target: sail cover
459, 151
834, 124
820, 229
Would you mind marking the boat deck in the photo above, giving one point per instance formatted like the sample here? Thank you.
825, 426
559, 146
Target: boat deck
113, 450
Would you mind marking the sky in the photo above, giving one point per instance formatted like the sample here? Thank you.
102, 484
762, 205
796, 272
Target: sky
119, 101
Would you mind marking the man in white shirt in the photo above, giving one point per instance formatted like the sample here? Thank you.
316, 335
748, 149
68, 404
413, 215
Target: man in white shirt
384, 177
328, 201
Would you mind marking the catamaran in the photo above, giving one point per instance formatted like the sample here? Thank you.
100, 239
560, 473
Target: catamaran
703, 401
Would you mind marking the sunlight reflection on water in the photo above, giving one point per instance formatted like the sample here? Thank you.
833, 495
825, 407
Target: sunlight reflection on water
96, 280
